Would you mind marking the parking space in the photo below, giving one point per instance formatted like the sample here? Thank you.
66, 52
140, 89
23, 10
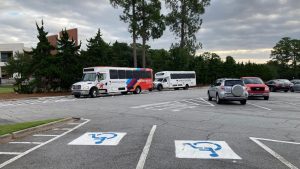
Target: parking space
168, 129
16, 149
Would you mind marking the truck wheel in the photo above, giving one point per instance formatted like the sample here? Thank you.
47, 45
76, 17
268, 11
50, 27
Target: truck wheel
219, 101
94, 92
186, 87
243, 102
137, 90
159, 87
266, 98
209, 97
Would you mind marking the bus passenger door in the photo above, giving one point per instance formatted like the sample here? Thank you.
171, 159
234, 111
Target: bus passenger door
166, 83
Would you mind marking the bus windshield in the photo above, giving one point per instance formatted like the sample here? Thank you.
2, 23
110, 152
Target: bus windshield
89, 77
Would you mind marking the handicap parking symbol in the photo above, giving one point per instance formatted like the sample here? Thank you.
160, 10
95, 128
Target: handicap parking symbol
204, 149
206, 146
99, 138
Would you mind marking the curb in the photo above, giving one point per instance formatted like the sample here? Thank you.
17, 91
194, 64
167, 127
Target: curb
22, 133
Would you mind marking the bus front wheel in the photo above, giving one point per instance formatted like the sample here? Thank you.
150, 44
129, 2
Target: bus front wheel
94, 92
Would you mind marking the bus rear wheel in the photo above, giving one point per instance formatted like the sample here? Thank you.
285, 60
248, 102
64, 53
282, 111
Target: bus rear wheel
186, 87
137, 90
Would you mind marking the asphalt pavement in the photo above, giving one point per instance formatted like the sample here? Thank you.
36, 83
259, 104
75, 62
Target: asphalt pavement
156, 130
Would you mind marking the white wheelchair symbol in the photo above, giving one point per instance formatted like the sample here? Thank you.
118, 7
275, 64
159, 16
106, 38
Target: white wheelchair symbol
100, 138
213, 147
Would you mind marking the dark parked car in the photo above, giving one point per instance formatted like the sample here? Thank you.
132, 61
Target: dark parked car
279, 85
296, 86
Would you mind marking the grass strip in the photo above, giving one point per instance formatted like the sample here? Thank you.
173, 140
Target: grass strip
6, 89
9, 128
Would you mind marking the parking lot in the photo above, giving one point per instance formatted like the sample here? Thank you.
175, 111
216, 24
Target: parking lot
168, 129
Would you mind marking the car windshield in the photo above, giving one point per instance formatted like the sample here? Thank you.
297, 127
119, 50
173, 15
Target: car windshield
89, 77
233, 82
159, 79
252, 81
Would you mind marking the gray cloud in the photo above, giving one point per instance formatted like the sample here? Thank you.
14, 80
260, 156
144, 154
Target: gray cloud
241, 28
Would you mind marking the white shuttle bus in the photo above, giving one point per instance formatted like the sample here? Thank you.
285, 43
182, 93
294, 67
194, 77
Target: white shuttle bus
96, 80
174, 79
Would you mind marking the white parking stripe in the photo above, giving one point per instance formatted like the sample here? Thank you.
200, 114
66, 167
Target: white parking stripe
146, 149
147, 105
45, 135
273, 153
38, 146
255, 105
14, 142
277, 141
10, 153
207, 102
61, 129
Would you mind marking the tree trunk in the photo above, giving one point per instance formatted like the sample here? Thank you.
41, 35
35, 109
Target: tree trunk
144, 52
144, 36
182, 31
134, 33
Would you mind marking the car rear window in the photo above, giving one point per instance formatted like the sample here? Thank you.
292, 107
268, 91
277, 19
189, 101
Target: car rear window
234, 82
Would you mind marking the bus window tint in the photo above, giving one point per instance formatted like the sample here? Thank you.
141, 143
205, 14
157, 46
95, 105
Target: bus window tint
148, 74
136, 74
121, 74
128, 74
113, 74
182, 75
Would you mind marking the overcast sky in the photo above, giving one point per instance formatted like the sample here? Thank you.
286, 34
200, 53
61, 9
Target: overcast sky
244, 29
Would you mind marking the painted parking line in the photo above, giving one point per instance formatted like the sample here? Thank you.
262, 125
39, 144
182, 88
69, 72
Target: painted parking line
146, 149
40, 145
45, 135
15, 142
204, 149
177, 105
10, 153
272, 152
99, 138
61, 129
255, 105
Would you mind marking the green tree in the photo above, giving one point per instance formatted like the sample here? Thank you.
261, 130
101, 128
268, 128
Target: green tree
40, 60
69, 61
287, 51
19, 66
97, 53
129, 16
121, 55
185, 20
150, 23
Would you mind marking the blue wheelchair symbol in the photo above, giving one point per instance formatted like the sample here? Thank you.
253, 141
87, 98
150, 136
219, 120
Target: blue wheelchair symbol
215, 147
100, 138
